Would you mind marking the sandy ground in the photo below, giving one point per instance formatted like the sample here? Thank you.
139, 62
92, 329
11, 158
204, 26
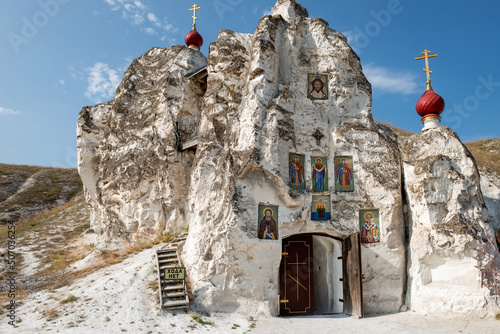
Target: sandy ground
119, 299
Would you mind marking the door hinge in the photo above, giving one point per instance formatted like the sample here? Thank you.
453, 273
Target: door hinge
284, 254
284, 301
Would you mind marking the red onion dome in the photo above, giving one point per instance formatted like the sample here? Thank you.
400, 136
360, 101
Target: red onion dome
430, 104
193, 38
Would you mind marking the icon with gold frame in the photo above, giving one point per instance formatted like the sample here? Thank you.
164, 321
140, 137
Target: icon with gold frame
369, 226
268, 222
317, 86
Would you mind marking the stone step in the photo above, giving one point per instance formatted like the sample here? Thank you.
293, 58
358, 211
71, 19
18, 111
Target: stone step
166, 251
170, 287
175, 294
177, 303
171, 281
172, 308
168, 266
167, 254
168, 263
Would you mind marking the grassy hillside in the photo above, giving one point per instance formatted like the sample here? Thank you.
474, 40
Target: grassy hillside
25, 190
487, 154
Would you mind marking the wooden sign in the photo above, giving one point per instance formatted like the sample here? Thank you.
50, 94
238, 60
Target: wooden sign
176, 274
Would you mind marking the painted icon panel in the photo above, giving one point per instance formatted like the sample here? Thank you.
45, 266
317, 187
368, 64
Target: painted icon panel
297, 170
268, 222
369, 226
317, 86
344, 180
319, 167
320, 207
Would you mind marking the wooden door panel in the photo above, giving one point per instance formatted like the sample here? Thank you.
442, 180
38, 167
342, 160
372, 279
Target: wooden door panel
352, 276
297, 281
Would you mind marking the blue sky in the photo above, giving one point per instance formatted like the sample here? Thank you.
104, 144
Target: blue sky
61, 55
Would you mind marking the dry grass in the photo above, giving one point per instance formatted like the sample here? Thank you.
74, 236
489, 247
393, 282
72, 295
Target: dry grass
58, 252
50, 314
32, 222
52, 184
58, 261
6, 169
20, 294
398, 131
106, 258
487, 154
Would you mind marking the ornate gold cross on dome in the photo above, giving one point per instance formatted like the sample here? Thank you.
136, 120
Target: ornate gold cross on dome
195, 7
426, 56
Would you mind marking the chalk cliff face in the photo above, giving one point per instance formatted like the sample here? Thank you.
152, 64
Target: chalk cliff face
447, 218
135, 179
254, 113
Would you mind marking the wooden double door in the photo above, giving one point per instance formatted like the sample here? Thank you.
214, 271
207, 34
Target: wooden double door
297, 276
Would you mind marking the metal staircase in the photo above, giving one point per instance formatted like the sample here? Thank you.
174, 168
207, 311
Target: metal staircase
173, 293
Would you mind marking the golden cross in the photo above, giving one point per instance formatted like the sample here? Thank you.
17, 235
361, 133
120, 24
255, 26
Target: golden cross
426, 56
195, 7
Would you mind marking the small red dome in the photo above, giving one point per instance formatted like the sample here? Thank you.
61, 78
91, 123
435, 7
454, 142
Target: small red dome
430, 104
194, 38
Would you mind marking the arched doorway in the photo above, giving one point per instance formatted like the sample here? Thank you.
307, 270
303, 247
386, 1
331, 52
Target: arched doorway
321, 274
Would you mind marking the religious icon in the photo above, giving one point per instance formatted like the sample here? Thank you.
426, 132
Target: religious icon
320, 207
268, 218
343, 174
296, 162
369, 226
317, 86
319, 174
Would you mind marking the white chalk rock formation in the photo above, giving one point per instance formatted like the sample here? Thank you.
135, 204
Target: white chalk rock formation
136, 181
254, 113
447, 219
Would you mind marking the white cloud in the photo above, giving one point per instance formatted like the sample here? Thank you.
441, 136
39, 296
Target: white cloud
7, 111
132, 10
355, 40
113, 4
168, 40
102, 82
170, 28
389, 81
268, 11
150, 31
137, 13
154, 19
76, 74
62, 82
